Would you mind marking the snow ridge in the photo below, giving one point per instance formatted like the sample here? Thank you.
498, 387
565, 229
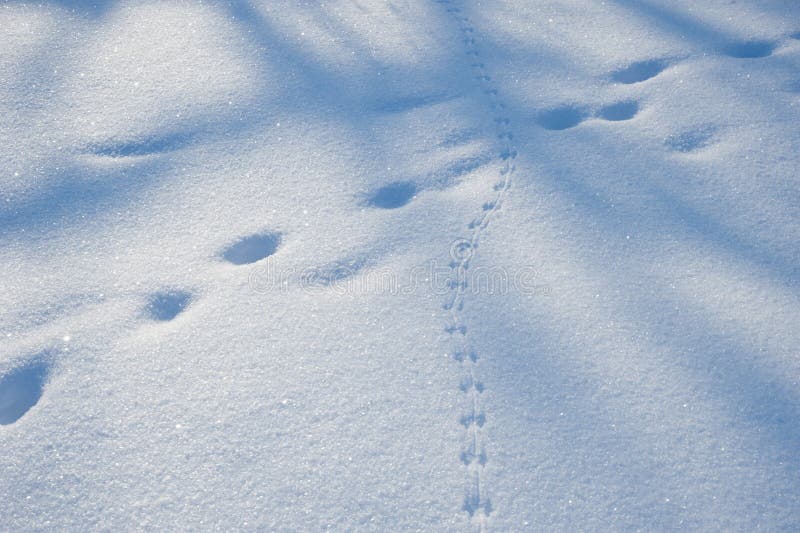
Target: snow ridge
474, 455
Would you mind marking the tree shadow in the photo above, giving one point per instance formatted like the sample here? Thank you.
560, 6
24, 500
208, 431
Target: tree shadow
94, 10
702, 34
625, 440
70, 198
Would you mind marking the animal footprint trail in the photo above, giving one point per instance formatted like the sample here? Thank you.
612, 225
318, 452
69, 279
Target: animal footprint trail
474, 419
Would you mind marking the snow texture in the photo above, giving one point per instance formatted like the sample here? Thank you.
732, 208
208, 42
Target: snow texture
418, 265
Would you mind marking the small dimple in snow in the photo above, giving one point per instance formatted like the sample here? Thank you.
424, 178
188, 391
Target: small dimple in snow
252, 248
166, 305
690, 141
458, 137
562, 117
21, 388
639, 71
332, 273
619, 111
450, 173
750, 49
393, 195
473, 504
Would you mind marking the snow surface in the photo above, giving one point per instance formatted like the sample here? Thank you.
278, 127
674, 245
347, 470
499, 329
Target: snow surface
400, 266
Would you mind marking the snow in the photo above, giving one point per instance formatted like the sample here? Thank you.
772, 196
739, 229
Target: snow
400, 266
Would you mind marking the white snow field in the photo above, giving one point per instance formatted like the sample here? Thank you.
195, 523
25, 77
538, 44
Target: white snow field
401, 265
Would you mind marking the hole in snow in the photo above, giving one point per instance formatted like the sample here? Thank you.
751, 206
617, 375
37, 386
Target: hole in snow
639, 71
561, 118
167, 305
394, 195
750, 49
253, 248
21, 389
619, 111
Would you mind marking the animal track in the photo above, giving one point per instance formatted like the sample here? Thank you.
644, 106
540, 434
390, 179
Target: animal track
166, 305
21, 388
620, 111
253, 248
468, 419
462, 356
468, 384
472, 456
750, 49
394, 195
476, 501
691, 141
562, 117
455, 328
473, 503
640, 71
